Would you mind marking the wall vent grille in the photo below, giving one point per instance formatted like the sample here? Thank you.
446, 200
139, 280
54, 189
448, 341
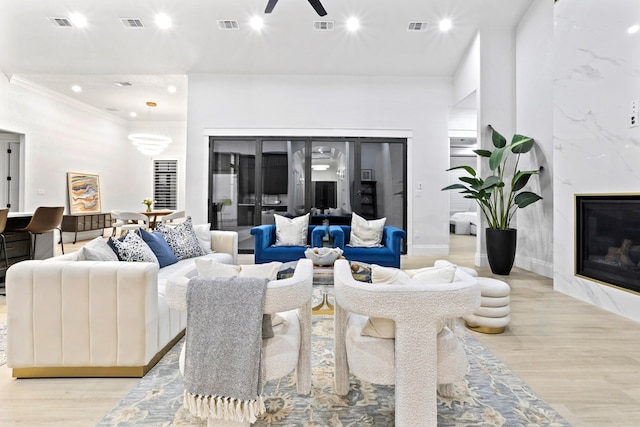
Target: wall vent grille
60, 21
228, 24
323, 25
132, 22
417, 26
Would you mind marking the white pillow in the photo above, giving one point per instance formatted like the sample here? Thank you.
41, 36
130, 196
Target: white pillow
203, 233
291, 231
366, 234
386, 328
212, 268
268, 270
389, 275
97, 250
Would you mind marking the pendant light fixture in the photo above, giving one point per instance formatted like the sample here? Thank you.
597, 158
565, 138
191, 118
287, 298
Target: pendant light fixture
152, 143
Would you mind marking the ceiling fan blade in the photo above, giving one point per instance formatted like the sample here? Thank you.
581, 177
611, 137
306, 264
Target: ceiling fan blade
270, 5
318, 7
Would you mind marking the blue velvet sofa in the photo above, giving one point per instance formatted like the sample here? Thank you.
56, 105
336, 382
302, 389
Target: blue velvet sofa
387, 255
265, 237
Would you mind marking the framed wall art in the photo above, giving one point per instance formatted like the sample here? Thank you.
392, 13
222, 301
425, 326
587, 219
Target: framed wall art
84, 193
366, 175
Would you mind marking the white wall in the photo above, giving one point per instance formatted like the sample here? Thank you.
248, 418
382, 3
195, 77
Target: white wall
415, 105
62, 135
496, 101
534, 118
597, 74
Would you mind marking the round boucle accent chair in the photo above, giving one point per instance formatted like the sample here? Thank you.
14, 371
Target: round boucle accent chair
493, 315
290, 347
423, 353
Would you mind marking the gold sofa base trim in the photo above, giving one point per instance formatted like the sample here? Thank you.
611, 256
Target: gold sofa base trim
486, 329
95, 371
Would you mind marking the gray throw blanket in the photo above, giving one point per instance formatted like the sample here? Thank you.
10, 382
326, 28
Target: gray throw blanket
222, 373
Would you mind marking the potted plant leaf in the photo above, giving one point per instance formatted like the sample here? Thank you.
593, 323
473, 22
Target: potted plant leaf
500, 195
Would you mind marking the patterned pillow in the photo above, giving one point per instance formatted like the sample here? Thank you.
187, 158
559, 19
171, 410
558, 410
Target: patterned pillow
182, 239
133, 248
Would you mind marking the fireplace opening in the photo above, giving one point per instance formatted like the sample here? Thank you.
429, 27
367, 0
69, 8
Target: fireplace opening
608, 239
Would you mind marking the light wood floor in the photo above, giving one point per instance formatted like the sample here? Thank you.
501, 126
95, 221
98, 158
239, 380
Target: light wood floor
584, 361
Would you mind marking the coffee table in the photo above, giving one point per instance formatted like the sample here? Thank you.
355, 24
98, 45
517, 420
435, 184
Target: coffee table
323, 278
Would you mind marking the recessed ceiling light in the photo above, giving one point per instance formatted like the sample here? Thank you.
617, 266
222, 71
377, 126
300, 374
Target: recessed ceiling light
133, 114
76, 88
256, 23
163, 21
445, 25
633, 29
78, 20
172, 89
353, 24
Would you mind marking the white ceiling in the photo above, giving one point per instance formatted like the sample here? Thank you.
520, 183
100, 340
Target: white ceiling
151, 59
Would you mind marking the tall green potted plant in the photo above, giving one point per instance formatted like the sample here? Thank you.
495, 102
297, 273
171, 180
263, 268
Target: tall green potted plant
500, 195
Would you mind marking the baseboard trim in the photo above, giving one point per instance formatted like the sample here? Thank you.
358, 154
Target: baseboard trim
427, 250
537, 266
95, 371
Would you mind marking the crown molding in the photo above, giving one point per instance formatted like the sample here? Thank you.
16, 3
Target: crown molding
67, 100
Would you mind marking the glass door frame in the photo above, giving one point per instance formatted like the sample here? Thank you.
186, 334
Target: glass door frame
308, 143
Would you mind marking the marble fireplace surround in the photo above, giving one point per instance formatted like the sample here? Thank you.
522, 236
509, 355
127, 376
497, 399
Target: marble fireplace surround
608, 239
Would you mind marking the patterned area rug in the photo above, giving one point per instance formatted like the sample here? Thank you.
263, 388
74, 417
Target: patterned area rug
492, 395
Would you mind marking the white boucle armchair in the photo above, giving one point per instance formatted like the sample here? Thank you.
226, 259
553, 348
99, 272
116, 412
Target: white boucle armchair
423, 353
290, 347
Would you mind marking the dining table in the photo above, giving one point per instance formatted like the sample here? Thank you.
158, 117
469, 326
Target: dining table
155, 215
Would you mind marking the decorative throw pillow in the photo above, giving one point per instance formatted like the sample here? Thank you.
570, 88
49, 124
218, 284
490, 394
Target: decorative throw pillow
291, 231
389, 275
159, 246
268, 270
133, 248
386, 328
212, 268
366, 234
203, 232
97, 250
182, 239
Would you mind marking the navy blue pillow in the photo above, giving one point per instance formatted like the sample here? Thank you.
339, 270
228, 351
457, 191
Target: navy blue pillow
113, 247
160, 247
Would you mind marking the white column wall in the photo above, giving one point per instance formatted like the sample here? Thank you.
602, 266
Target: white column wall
295, 102
534, 118
496, 102
597, 74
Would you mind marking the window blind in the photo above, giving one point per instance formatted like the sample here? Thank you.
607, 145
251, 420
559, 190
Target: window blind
165, 184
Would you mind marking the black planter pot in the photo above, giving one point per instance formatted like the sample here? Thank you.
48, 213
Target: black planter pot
501, 249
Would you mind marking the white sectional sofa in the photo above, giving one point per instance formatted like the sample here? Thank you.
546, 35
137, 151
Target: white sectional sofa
71, 318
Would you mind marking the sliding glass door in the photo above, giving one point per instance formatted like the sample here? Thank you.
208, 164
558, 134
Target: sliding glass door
254, 178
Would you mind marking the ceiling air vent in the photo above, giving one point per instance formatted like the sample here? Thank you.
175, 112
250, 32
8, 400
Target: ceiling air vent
228, 24
111, 109
122, 84
323, 25
417, 26
132, 22
61, 22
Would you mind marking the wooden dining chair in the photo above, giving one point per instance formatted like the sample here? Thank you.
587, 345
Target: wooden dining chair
44, 219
